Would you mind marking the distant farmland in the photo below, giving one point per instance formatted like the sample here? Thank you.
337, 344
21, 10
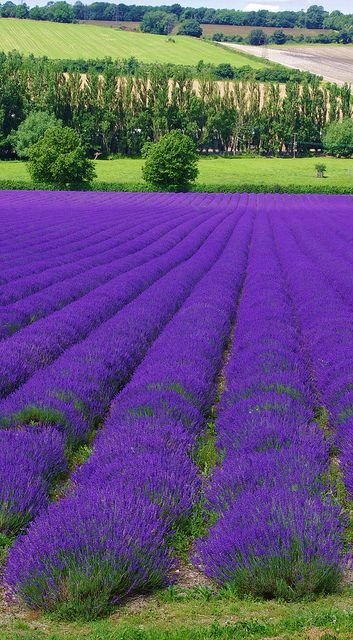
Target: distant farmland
125, 25
73, 41
234, 30
333, 62
208, 29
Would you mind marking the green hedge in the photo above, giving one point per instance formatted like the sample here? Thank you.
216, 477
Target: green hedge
23, 185
272, 188
199, 188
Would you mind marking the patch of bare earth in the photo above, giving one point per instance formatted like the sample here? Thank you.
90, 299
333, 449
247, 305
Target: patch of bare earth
14, 611
333, 63
316, 634
187, 576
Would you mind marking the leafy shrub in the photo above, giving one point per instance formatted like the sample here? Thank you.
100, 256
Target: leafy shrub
59, 158
257, 37
320, 169
338, 139
31, 130
237, 187
278, 37
171, 163
275, 543
190, 28
158, 21
224, 71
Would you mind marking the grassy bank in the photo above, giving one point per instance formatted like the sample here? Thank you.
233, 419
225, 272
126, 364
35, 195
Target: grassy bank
74, 41
217, 172
179, 614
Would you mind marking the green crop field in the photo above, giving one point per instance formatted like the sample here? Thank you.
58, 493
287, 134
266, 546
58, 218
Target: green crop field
218, 171
85, 41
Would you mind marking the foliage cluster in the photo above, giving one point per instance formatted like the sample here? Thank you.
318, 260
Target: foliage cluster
114, 113
158, 21
258, 37
59, 158
338, 139
315, 17
31, 130
190, 27
269, 72
320, 169
171, 163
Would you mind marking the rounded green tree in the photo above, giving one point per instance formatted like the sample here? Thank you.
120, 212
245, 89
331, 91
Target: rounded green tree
257, 37
338, 138
31, 130
59, 158
190, 28
171, 163
158, 21
278, 37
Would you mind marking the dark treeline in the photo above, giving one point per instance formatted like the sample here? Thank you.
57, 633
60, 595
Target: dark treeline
259, 37
314, 18
115, 113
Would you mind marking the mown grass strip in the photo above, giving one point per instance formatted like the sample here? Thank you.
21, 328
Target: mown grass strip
191, 615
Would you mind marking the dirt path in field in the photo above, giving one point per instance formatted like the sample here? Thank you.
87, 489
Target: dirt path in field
333, 62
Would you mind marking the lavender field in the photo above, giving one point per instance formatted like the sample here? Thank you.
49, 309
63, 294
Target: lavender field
134, 329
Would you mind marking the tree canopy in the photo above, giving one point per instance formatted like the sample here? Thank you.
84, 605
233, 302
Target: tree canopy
315, 17
257, 37
190, 28
31, 130
338, 139
171, 163
59, 158
159, 22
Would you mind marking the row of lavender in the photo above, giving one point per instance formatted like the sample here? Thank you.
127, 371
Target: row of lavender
125, 501
38, 344
95, 247
32, 349
67, 399
324, 304
279, 531
55, 222
64, 228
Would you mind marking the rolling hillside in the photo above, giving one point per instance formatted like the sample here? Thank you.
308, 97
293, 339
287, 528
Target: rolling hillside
208, 29
83, 41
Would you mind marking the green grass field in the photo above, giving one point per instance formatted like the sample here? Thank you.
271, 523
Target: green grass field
85, 41
182, 614
219, 171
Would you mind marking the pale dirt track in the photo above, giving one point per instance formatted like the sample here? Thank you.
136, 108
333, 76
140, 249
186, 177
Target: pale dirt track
333, 63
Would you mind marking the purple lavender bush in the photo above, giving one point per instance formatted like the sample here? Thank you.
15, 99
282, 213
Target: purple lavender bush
75, 392
276, 543
120, 319
31, 460
117, 549
327, 331
278, 531
143, 452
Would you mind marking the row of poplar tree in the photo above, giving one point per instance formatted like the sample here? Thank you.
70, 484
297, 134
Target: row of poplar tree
118, 114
